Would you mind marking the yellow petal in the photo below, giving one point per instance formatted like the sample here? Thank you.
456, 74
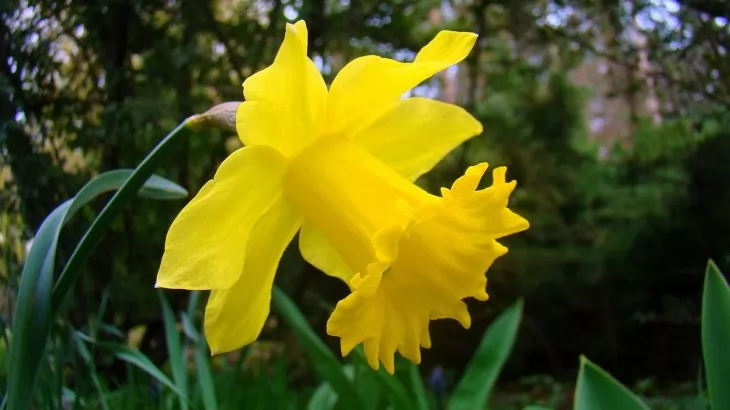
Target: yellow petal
206, 243
369, 86
234, 317
417, 133
300, 29
447, 46
317, 250
285, 102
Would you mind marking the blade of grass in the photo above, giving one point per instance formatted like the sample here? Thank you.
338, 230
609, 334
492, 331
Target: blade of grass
598, 390
33, 309
137, 359
716, 336
396, 391
481, 373
324, 362
193, 301
89, 361
205, 376
368, 386
419, 390
200, 353
324, 397
174, 350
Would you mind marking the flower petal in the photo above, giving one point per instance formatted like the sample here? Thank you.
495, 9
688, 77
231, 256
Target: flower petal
206, 243
417, 133
317, 250
369, 86
284, 102
234, 317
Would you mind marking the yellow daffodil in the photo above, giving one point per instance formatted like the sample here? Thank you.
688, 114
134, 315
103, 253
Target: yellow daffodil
338, 166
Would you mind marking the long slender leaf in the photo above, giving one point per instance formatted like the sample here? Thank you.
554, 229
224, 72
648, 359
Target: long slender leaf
324, 398
368, 386
205, 375
89, 361
161, 189
125, 193
202, 363
397, 392
193, 301
598, 390
716, 336
474, 387
325, 363
33, 307
187, 317
137, 359
419, 390
32, 312
174, 349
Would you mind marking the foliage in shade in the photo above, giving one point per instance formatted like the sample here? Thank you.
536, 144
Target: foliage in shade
138, 359
175, 351
323, 361
598, 390
484, 368
716, 336
34, 312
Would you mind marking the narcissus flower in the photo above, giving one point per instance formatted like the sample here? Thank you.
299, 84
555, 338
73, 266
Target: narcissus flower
338, 166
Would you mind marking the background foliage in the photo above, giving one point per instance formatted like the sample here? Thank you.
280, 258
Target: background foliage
612, 115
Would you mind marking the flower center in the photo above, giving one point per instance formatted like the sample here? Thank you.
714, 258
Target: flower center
348, 195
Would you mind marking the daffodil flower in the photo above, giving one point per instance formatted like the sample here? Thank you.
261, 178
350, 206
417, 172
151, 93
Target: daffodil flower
338, 166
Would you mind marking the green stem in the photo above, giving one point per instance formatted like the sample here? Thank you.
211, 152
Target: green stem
93, 235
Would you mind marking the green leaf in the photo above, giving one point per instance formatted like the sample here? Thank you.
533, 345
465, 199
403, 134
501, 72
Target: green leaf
324, 398
174, 349
89, 361
397, 392
33, 312
419, 390
162, 189
481, 373
137, 359
369, 388
200, 353
598, 390
716, 336
324, 362
124, 195
205, 376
